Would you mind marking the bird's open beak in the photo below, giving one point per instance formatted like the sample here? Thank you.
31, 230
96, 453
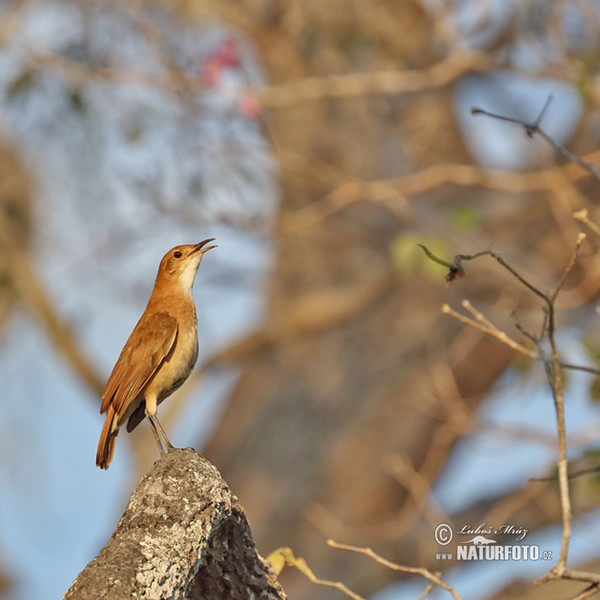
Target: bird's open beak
201, 246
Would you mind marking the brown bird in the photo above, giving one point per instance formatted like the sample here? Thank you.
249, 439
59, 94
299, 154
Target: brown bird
159, 354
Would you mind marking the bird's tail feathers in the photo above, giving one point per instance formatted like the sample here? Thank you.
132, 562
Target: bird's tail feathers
108, 439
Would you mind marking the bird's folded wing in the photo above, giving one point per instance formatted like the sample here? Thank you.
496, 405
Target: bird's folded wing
148, 345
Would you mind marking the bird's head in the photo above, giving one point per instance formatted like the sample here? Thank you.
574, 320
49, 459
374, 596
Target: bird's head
181, 263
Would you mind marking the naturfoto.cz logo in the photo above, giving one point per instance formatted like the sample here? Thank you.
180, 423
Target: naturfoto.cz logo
476, 544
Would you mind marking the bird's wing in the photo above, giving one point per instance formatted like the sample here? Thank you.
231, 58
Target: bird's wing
148, 345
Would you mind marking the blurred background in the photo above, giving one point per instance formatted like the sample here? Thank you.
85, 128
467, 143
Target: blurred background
319, 142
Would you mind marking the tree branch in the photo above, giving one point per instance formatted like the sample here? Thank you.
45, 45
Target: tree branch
532, 128
432, 577
33, 294
352, 85
552, 367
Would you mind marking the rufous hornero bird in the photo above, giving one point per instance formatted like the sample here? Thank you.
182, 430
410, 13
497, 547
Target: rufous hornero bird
159, 354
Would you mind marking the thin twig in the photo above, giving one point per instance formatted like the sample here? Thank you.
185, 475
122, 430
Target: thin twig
428, 589
284, 556
580, 239
282, 95
588, 592
394, 191
490, 330
353, 85
570, 574
519, 277
571, 367
582, 216
555, 377
572, 475
418, 486
532, 128
581, 576
432, 577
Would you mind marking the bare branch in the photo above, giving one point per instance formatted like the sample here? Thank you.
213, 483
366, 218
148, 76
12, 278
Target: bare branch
532, 128
588, 592
555, 380
571, 367
572, 475
558, 573
82, 75
419, 488
489, 329
582, 216
553, 374
284, 556
32, 292
432, 577
352, 85
390, 192
580, 239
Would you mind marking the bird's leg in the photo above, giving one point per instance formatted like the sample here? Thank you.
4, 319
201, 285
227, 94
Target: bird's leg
159, 434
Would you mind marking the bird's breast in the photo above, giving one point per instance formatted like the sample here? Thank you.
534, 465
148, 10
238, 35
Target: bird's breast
178, 365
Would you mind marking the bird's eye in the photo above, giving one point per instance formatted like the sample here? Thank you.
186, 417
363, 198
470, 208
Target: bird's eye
177, 254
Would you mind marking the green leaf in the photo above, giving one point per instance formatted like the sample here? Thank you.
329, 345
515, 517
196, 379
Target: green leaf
464, 217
